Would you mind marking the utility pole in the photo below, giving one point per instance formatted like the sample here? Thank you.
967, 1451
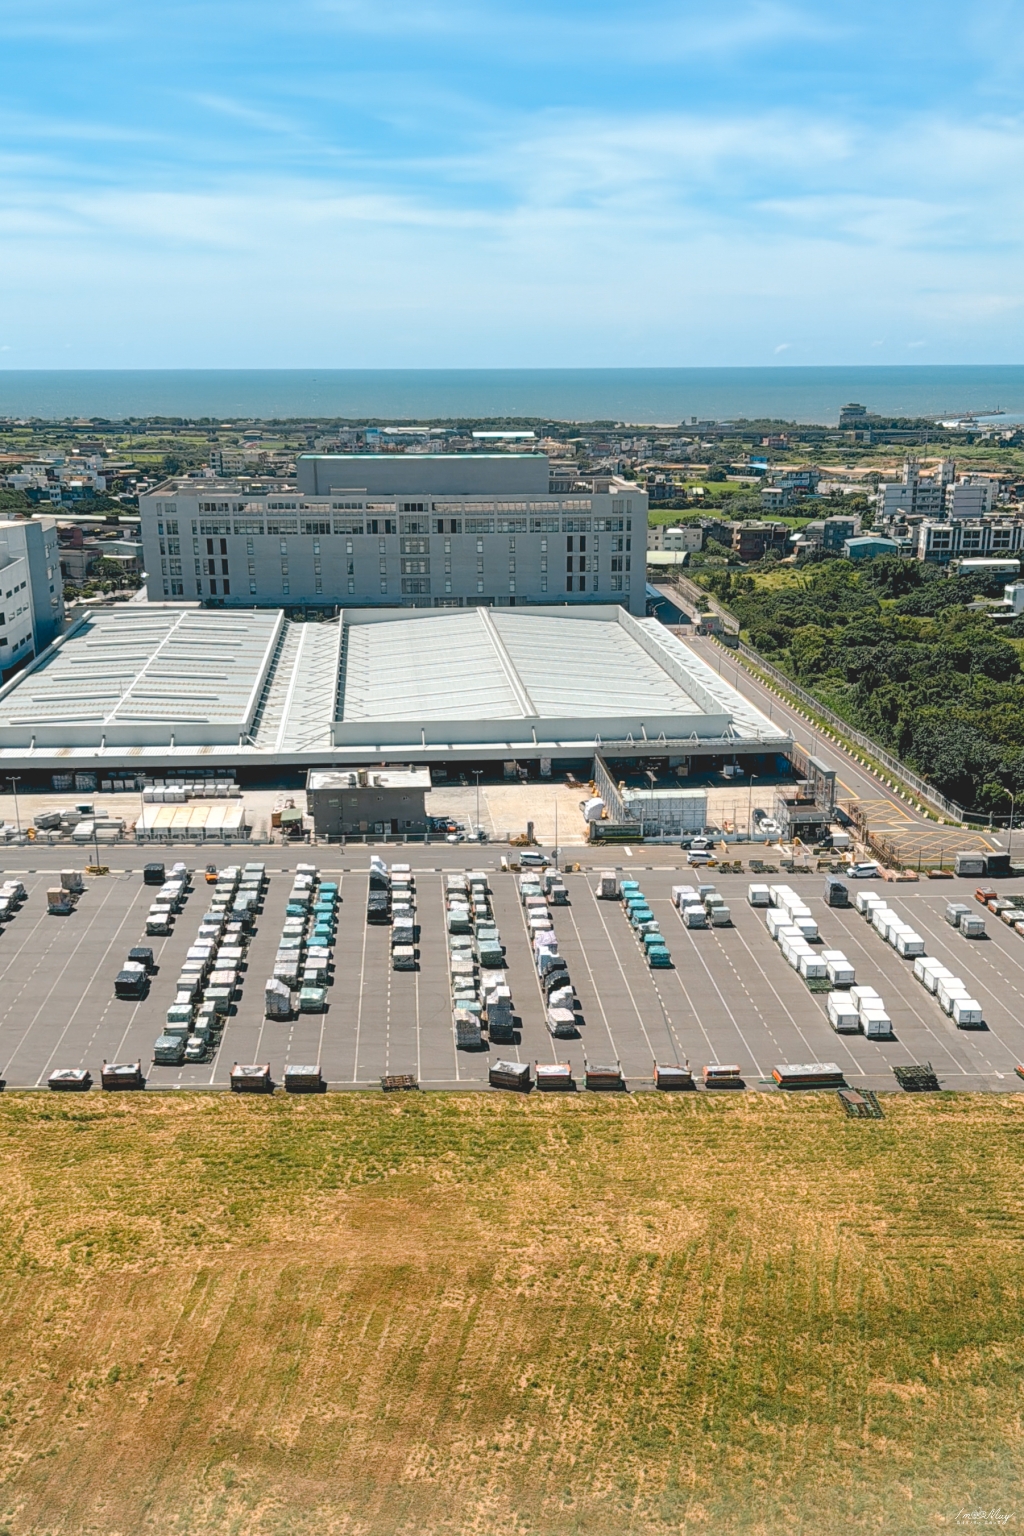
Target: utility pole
476, 774
750, 806
13, 780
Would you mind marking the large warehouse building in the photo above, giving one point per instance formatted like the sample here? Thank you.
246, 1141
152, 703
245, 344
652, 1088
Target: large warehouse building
145, 689
398, 530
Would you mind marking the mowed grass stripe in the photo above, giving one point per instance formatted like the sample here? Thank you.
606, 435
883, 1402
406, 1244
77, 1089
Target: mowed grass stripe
362, 1315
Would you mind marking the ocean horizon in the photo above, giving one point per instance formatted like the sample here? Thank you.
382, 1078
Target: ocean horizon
631, 396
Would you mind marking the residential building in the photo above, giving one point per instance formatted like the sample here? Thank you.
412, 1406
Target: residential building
752, 540
940, 542
386, 530
970, 497
831, 533
31, 593
689, 538
787, 486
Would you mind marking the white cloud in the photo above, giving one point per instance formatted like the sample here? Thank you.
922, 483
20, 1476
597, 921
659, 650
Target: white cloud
566, 239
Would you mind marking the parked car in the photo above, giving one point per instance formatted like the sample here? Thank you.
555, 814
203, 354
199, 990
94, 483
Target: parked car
533, 856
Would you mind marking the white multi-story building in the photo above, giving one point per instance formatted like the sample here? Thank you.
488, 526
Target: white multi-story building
972, 497
687, 537
31, 591
385, 530
964, 538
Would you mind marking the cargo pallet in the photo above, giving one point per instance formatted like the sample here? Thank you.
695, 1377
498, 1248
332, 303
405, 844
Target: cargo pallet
918, 1078
603, 1079
860, 1103
395, 1082
672, 1079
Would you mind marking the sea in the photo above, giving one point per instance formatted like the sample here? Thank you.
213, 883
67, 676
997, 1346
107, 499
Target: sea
627, 396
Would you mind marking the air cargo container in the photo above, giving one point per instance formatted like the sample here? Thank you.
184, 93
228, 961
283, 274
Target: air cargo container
842, 1014
967, 1013
758, 895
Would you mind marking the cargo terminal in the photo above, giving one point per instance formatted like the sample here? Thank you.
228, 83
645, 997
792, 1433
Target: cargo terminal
163, 688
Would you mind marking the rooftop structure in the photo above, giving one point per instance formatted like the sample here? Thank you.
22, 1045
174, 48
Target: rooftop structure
163, 684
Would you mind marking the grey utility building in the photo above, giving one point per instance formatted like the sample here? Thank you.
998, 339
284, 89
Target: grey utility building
470, 530
362, 800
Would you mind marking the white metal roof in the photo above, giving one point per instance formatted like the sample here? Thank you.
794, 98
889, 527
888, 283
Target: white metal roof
144, 668
154, 679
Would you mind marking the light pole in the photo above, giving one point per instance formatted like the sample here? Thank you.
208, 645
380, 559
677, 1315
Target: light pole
750, 807
476, 774
12, 779
1009, 834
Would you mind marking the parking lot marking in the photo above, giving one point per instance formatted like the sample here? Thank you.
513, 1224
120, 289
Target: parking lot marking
359, 1007
625, 978
969, 1040
886, 1049
93, 920
735, 1022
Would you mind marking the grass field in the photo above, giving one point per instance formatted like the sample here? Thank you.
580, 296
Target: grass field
469, 1314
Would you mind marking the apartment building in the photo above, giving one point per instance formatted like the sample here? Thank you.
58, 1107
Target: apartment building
688, 537
941, 542
385, 530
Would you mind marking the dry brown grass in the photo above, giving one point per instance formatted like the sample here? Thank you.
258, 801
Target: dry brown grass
469, 1314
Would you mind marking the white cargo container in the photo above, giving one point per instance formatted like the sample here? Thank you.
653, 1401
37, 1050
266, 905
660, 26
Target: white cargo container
866, 901
909, 944
967, 1013
608, 885
933, 974
758, 895
842, 1014
721, 917
876, 1023
695, 917
794, 950
881, 917
806, 925
862, 994
775, 920
841, 973
949, 989
684, 896
812, 967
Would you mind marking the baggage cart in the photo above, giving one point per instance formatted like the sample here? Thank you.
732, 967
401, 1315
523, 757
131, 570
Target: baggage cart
672, 1078
602, 1079
553, 1076
718, 1075
813, 1074
122, 1074
303, 1079
70, 1080
509, 1074
251, 1078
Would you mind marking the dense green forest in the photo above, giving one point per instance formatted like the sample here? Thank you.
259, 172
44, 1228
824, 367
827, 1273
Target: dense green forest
895, 648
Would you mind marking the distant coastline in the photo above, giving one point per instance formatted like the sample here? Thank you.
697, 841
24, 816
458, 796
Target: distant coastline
627, 395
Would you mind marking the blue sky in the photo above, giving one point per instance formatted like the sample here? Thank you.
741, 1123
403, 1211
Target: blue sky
379, 183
